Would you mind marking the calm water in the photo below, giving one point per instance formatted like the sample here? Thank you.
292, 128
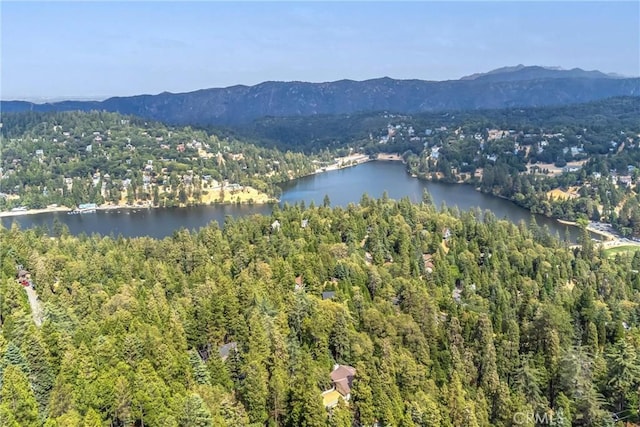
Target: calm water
342, 186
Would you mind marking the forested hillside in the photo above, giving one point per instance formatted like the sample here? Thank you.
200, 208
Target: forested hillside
572, 162
449, 319
97, 157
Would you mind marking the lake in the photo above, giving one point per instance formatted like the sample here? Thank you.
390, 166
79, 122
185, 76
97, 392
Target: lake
343, 186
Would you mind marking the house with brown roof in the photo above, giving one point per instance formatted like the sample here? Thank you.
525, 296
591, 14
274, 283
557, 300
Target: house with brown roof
342, 379
427, 260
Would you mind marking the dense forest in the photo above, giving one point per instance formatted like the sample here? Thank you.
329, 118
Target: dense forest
448, 319
312, 134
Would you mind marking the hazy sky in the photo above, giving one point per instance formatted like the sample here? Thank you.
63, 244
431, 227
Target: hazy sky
101, 49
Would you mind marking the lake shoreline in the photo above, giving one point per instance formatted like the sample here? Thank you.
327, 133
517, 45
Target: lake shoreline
341, 163
49, 209
107, 208
343, 188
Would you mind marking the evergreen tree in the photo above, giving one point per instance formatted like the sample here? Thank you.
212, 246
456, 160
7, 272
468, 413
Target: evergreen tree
200, 372
623, 362
362, 397
195, 413
253, 391
92, 419
305, 401
41, 374
18, 406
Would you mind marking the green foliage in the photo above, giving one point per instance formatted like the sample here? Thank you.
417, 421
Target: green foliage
18, 406
507, 321
72, 158
195, 414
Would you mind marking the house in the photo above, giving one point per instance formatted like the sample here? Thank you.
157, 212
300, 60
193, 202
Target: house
446, 234
342, 380
225, 350
299, 284
570, 169
328, 295
625, 180
275, 226
427, 260
24, 277
304, 223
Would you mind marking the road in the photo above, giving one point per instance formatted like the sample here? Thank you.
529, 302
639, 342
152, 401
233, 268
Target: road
613, 239
36, 306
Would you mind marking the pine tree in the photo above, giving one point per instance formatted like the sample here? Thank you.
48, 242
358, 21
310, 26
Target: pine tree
424, 411
18, 406
200, 372
339, 339
195, 413
253, 391
149, 399
623, 362
305, 400
41, 374
13, 356
487, 369
362, 397
341, 416
92, 419
219, 371
461, 410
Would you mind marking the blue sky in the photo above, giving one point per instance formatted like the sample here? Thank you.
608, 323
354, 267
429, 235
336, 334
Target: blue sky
100, 49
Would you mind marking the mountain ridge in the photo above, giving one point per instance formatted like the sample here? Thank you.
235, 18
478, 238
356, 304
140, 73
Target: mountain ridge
519, 86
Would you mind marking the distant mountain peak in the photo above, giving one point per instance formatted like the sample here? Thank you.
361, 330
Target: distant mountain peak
535, 72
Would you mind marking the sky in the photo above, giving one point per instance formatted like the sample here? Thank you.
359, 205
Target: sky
93, 50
